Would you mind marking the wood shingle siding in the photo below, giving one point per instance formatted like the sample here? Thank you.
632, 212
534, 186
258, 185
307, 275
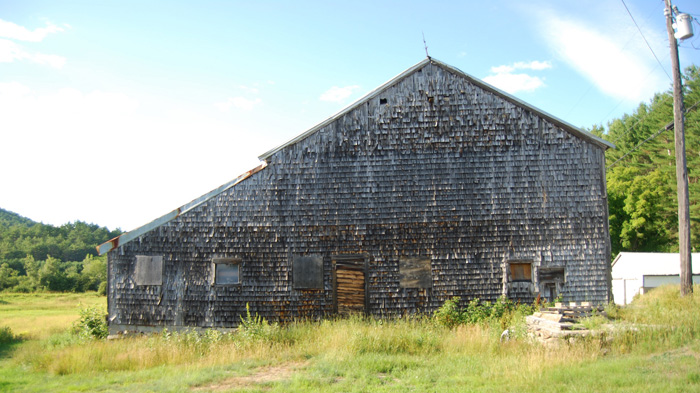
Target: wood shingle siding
431, 167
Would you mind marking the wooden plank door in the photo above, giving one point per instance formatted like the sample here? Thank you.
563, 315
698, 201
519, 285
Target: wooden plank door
349, 280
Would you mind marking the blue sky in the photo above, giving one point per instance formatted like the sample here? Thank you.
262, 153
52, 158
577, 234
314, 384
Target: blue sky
117, 112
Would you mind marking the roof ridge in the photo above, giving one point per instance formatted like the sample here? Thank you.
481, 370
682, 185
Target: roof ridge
579, 132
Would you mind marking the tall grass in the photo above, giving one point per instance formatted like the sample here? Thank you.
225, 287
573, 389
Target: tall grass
402, 354
659, 320
356, 339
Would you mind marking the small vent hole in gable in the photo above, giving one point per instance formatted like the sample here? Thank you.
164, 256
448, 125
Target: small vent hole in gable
382, 101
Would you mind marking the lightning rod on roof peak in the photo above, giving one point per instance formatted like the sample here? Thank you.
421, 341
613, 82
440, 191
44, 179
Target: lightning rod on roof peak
425, 45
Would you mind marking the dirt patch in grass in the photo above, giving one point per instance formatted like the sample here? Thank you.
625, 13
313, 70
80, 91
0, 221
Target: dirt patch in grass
686, 351
261, 375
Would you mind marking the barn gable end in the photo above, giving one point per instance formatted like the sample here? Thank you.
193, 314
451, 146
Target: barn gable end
434, 185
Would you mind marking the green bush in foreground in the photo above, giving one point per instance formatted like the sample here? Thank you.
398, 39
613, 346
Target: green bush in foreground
256, 327
92, 324
6, 336
503, 312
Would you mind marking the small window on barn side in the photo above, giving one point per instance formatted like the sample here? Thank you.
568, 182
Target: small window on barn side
521, 271
148, 270
415, 272
307, 272
227, 271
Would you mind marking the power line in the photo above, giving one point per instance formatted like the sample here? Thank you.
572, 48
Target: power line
620, 102
668, 127
659, 132
639, 120
645, 40
591, 86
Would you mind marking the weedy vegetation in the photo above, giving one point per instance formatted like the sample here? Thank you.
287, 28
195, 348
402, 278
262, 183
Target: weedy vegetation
654, 346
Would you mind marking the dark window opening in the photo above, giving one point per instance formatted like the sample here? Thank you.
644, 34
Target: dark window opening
227, 271
521, 271
382, 101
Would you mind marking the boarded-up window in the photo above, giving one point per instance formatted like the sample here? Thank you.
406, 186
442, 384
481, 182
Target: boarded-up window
307, 272
227, 271
148, 270
521, 271
414, 272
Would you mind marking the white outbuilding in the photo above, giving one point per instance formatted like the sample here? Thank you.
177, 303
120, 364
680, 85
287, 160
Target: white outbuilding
636, 273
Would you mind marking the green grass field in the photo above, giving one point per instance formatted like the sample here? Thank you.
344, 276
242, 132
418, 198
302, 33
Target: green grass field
38, 315
661, 354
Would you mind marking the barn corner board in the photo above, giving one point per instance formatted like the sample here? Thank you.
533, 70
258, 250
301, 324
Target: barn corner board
434, 185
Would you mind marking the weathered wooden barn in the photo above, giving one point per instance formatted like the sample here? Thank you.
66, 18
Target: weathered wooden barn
434, 185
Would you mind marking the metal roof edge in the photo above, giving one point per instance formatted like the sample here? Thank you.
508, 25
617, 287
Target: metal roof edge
135, 233
570, 127
617, 258
347, 109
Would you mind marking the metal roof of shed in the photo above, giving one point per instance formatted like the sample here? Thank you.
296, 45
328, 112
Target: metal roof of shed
637, 264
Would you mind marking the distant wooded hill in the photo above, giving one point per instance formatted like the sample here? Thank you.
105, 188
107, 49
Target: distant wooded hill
36, 256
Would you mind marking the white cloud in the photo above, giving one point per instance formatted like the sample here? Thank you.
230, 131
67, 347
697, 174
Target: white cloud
62, 112
9, 52
506, 79
533, 65
513, 83
13, 90
250, 89
338, 94
611, 55
242, 103
17, 32
159, 156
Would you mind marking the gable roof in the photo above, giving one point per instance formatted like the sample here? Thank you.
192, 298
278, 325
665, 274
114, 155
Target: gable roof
135, 233
379, 90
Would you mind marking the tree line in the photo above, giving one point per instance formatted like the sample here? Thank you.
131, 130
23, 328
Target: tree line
641, 175
35, 256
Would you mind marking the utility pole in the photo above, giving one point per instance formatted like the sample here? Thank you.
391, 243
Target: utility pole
681, 166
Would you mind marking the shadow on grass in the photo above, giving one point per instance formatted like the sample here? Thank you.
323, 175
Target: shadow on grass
6, 348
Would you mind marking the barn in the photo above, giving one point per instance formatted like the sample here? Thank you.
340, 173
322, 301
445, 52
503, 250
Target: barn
433, 185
